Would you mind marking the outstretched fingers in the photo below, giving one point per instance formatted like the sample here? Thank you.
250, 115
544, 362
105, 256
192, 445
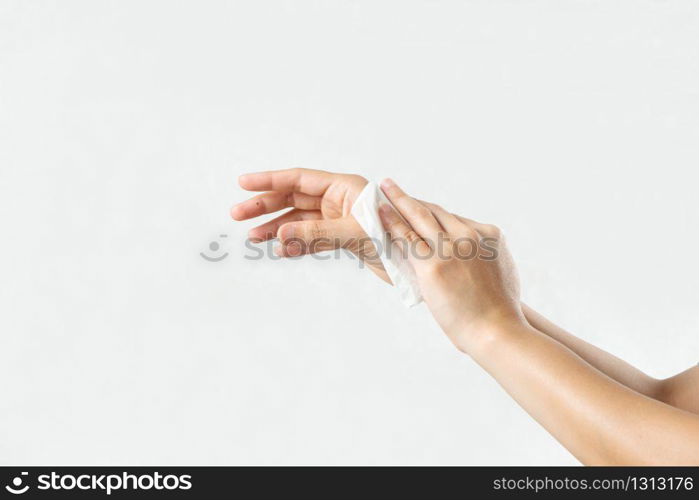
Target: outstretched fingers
299, 180
313, 236
273, 201
269, 229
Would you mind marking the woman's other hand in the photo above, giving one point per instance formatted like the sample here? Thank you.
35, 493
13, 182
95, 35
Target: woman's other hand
466, 274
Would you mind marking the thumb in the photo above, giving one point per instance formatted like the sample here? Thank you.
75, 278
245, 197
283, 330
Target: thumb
312, 236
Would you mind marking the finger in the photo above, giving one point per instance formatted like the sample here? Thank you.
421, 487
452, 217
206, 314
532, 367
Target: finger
269, 229
402, 234
300, 180
273, 201
415, 213
313, 236
469, 222
448, 221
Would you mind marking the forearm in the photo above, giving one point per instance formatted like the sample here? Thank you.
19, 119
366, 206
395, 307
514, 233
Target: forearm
613, 367
681, 390
597, 419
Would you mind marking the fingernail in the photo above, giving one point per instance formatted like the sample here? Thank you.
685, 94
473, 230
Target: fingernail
286, 232
233, 212
293, 249
387, 183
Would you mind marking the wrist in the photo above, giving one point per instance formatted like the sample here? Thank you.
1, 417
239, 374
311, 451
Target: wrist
480, 338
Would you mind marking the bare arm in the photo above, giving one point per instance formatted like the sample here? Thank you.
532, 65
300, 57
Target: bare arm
600, 421
476, 302
602, 409
681, 391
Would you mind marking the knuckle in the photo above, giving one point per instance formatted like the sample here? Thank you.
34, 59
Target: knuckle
317, 232
412, 236
466, 247
355, 178
422, 211
462, 244
492, 230
366, 247
444, 237
290, 199
470, 233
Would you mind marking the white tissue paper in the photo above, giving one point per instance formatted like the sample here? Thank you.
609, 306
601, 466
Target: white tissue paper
398, 267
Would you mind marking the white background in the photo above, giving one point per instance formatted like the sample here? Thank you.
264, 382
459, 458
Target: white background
124, 125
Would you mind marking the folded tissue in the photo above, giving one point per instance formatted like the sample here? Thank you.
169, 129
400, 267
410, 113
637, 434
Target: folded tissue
366, 211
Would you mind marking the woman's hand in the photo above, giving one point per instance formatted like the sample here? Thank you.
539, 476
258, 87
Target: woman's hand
320, 218
466, 274
475, 299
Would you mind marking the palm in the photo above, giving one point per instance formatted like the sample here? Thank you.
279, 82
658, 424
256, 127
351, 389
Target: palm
321, 205
338, 198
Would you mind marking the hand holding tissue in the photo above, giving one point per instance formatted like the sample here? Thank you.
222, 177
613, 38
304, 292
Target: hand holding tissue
399, 269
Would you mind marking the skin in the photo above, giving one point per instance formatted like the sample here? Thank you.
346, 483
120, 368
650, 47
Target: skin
603, 410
